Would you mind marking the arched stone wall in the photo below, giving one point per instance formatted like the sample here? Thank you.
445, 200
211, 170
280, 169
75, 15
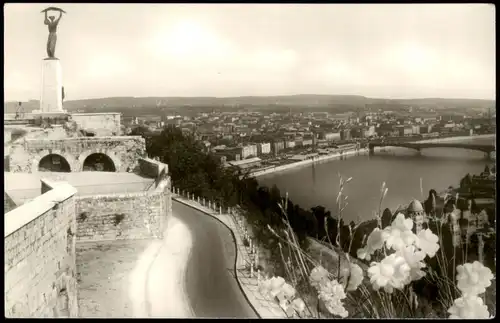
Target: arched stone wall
110, 154
99, 158
44, 153
124, 151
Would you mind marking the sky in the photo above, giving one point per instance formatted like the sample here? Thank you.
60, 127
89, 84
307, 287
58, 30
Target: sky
221, 50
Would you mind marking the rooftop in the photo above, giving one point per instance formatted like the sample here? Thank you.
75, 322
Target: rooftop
22, 187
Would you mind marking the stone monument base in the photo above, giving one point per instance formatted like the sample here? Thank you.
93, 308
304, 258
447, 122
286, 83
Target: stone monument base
52, 118
51, 98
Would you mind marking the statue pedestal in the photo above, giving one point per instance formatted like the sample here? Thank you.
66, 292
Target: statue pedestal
51, 98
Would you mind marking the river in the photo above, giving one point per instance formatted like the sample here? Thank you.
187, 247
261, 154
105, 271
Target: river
400, 168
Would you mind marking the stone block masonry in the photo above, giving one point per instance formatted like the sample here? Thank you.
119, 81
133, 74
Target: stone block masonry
139, 215
102, 124
151, 168
39, 254
124, 152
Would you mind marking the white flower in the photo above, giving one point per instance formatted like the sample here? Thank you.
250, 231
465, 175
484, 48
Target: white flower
265, 288
336, 307
473, 278
333, 289
374, 242
392, 272
286, 292
270, 288
414, 258
364, 253
428, 242
297, 305
355, 278
332, 293
469, 307
276, 284
318, 276
399, 235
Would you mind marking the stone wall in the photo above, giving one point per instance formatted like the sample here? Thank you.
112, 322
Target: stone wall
40, 256
7, 135
8, 203
124, 151
151, 168
102, 124
6, 163
139, 215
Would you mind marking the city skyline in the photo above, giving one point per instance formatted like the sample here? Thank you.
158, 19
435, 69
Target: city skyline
107, 50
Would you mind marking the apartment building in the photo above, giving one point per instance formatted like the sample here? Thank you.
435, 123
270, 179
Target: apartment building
263, 148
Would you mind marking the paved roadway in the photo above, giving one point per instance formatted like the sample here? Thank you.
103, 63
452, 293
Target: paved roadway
211, 287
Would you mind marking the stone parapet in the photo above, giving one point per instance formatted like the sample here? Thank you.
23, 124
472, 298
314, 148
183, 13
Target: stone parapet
40, 267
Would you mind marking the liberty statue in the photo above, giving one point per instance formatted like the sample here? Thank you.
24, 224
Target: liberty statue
52, 23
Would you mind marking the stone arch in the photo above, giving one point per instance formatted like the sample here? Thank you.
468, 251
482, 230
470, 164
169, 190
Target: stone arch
98, 162
44, 153
54, 163
107, 157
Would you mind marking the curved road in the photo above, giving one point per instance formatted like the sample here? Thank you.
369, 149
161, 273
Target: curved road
211, 286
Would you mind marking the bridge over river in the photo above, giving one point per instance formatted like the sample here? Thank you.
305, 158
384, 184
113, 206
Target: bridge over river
488, 149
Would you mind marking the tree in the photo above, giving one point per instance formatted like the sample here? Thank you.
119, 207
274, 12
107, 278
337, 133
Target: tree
202, 173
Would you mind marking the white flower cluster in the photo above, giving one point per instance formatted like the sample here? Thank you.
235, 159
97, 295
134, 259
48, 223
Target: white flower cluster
277, 288
331, 292
405, 264
472, 280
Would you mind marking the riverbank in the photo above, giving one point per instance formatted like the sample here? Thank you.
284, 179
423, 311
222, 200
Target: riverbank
307, 162
460, 138
275, 169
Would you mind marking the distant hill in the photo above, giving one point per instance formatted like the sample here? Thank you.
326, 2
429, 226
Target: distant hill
301, 100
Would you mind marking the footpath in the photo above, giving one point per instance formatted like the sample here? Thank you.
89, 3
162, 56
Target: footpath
246, 278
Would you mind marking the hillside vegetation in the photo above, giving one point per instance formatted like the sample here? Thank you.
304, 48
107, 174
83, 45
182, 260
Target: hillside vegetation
302, 100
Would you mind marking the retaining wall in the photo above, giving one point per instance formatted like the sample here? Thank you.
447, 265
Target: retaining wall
39, 253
